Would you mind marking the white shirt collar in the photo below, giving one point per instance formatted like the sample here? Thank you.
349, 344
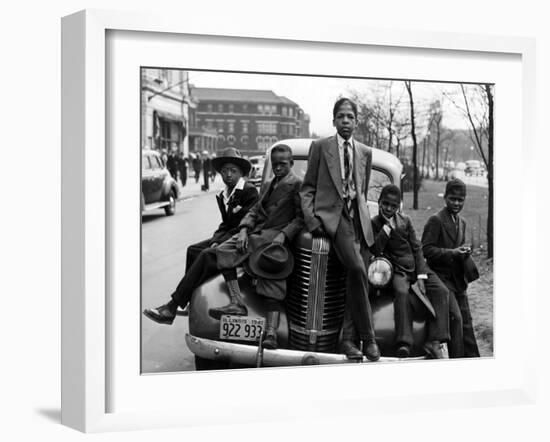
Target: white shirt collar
239, 186
341, 141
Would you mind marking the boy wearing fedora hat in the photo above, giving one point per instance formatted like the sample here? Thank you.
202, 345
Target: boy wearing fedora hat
234, 201
264, 233
443, 245
261, 243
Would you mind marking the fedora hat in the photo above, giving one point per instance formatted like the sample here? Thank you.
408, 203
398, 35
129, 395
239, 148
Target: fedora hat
270, 261
231, 155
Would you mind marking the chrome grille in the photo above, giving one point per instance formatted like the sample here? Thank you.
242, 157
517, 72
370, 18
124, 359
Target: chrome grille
315, 301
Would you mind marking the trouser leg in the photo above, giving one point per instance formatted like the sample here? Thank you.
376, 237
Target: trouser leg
348, 249
204, 268
471, 349
193, 252
456, 344
438, 294
402, 310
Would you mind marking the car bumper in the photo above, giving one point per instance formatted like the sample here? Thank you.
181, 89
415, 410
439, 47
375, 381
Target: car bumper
248, 354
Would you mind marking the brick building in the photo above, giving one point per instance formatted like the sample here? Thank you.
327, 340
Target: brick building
251, 120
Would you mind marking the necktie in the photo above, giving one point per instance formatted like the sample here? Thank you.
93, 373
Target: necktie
347, 173
346, 162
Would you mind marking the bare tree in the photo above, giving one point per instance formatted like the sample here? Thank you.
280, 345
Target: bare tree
408, 85
478, 109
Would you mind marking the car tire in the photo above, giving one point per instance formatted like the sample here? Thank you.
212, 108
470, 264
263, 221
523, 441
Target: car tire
208, 364
171, 208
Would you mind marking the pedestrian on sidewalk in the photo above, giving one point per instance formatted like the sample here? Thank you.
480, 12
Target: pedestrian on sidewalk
206, 165
182, 166
197, 166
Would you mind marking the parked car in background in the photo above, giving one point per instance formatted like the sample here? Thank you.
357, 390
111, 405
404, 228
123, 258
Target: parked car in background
255, 175
158, 189
313, 311
474, 168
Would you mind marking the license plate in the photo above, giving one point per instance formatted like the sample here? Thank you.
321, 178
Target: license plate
241, 328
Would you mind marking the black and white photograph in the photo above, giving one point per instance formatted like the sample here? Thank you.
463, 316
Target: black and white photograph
292, 220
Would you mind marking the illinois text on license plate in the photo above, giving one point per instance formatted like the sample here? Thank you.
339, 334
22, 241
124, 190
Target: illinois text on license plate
242, 328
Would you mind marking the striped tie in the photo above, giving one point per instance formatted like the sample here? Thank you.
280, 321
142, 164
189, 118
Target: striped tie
347, 173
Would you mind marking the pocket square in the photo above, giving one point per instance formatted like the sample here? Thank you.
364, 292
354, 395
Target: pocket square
236, 209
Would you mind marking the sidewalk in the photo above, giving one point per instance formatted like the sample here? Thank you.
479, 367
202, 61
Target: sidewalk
193, 189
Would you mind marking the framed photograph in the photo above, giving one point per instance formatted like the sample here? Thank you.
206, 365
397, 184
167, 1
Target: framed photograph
158, 117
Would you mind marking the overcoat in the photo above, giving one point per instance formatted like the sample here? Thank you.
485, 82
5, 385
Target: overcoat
276, 211
440, 236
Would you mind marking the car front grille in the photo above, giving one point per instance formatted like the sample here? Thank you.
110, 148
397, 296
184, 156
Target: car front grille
315, 301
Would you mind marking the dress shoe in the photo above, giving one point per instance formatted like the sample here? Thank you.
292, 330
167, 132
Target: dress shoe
403, 351
351, 351
164, 314
231, 309
370, 348
434, 349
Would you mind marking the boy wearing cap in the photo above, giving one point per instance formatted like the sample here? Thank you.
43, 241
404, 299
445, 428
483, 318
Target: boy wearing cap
234, 201
395, 239
264, 232
443, 245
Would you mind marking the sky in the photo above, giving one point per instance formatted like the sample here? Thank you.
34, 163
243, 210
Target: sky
316, 95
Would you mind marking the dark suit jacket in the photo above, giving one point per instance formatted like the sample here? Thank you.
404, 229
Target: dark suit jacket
239, 205
272, 214
322, 191
281, 211
401, 247
439, 237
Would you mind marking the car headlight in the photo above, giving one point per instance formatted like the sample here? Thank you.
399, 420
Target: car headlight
380, 272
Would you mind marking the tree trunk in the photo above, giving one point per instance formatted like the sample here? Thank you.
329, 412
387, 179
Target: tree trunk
490, 102
415, 147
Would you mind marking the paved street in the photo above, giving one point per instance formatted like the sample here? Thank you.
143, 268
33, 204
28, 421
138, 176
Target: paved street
164, 243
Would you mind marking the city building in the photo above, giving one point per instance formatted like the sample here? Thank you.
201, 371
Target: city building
165, 109
251, 120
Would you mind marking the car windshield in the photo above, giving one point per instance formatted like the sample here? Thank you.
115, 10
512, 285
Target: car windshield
378, 178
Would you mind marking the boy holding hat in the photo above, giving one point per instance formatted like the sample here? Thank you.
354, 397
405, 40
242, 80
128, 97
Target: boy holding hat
234, 201
443, 245
264, 233
395, 239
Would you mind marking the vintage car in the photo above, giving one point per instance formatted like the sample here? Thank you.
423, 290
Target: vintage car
158, 189
256, 173
310, 323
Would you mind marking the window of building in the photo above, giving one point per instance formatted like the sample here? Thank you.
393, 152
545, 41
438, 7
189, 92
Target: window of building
283, 111
244, 140
245, 107
230, 127
290, 112
231, 140
220, 126
220, 107
221, 139
273, 109
274, 140
209, 108
261, 108
245, 127
231, 108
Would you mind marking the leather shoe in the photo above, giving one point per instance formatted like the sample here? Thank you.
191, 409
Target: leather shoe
403, 351
434, 349
164, 314
370, 348
351, 351
231, 309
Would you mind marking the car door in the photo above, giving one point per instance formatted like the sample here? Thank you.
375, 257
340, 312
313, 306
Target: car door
159, 172
147, 178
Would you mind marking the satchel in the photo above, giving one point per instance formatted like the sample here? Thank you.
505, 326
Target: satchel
471, 272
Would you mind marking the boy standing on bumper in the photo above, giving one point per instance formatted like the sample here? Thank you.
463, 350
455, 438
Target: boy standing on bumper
334, 202
443, 245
